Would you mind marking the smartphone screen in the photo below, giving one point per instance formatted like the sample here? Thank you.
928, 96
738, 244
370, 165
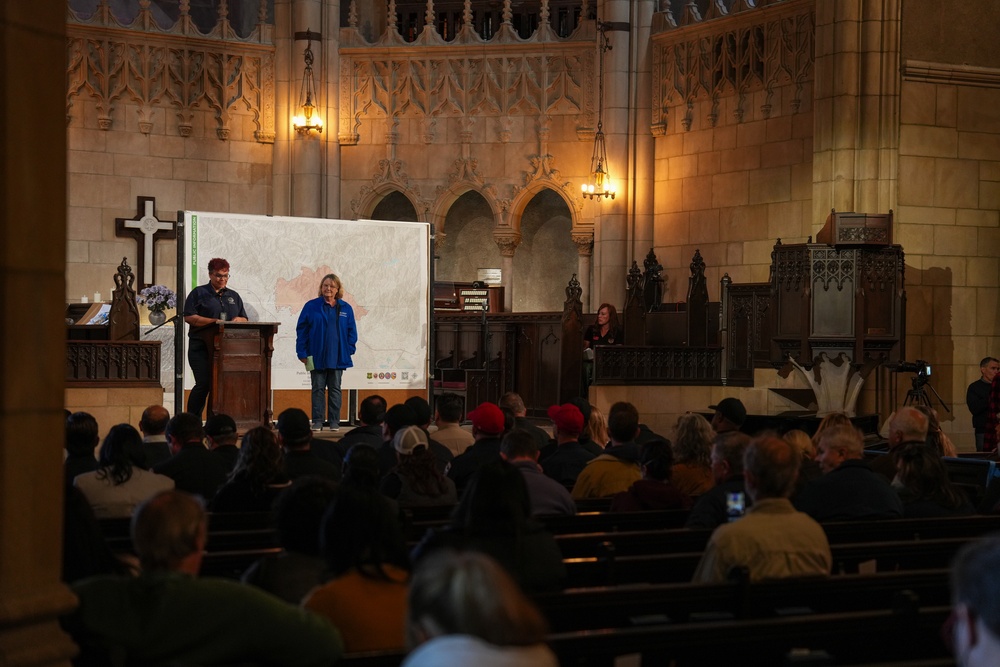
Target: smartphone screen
735, 505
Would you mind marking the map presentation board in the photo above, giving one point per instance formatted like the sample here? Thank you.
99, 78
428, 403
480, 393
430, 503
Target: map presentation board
277, 263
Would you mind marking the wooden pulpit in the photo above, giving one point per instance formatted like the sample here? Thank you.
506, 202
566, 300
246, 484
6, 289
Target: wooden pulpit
240, 354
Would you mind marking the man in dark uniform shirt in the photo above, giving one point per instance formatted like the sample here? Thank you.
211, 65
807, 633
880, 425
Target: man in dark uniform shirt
204, 306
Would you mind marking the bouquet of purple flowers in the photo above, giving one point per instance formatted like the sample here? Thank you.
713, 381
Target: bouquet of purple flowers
157, 298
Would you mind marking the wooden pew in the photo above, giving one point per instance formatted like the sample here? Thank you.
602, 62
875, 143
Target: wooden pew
629, 605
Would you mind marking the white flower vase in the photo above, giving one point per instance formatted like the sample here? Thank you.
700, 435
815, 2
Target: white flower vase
157, 317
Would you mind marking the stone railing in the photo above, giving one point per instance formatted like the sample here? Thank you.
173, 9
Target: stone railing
157, 61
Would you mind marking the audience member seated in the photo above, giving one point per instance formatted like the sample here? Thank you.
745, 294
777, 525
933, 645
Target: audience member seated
692, 474
397, 418
447, 418
595, 429
654, 491
515, 404
257, 479
220, 432
936, 437
773, 540
600, 425
371, 414
85, 553
422, 411
81, 441
712, 508
193, 468
923, 485
464, 609
168, 615
361, 467
298, 518
295, 438
363, 545
416, 480
975, 616
153, 425
494, 517
906, 426
729, 415
487, 429
809, 468
520, 449
565, 462
829, 421
120, 484
848, 489
617, 468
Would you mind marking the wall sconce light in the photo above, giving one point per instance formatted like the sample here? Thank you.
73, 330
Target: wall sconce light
307, 120
600, 176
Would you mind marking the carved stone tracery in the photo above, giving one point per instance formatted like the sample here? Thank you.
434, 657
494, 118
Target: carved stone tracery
152, 69
699, 58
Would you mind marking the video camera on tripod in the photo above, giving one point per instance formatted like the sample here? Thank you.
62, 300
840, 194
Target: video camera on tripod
921, 378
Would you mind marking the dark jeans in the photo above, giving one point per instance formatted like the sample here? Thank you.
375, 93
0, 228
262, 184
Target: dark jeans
199, 361
326, 389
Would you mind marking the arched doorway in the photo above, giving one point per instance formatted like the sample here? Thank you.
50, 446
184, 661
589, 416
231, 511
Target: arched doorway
395, 206
468, 245
546, 257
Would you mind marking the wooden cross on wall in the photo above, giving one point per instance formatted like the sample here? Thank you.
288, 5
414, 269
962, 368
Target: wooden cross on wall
146, 229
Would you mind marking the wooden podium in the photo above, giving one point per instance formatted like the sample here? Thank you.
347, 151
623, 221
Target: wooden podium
240, 354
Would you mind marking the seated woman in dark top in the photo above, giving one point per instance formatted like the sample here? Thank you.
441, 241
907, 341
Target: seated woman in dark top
606, 330
654, 491
493, 517
257, 479
923, 485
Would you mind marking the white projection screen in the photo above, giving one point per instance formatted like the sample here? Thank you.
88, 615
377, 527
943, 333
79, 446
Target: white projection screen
277, 263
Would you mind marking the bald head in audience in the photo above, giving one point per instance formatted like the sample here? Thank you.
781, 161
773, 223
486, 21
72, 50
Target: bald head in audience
908, 424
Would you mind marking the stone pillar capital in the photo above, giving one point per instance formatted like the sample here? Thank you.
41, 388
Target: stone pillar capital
584, 243
507, 243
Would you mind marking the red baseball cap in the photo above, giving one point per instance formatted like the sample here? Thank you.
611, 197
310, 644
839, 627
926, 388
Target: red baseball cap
567, 418
488, 418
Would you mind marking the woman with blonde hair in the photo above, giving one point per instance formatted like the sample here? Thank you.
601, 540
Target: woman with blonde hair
829, 421
596, 428
692, 470
464, 609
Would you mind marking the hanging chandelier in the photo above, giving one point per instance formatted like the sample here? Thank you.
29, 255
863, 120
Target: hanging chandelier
600, 177
307, 119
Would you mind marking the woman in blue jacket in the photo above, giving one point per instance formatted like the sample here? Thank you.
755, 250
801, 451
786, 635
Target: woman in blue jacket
325, 340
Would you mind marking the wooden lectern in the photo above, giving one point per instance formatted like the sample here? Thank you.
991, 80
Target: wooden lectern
240, 354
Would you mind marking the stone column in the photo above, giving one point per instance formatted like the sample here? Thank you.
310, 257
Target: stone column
33, 344
331, 107
307, 149
507, 242
440, 242
856, 114
641, 167
612, 220
585, 251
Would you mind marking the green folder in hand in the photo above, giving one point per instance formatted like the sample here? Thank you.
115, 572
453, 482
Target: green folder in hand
310, 366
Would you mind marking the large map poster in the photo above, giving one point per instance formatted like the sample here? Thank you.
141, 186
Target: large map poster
277, 263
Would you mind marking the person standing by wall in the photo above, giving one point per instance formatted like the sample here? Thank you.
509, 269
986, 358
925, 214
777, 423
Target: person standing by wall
326, 337
977, 397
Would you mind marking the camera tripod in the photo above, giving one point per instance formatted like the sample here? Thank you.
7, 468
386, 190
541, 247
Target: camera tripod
917, 396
